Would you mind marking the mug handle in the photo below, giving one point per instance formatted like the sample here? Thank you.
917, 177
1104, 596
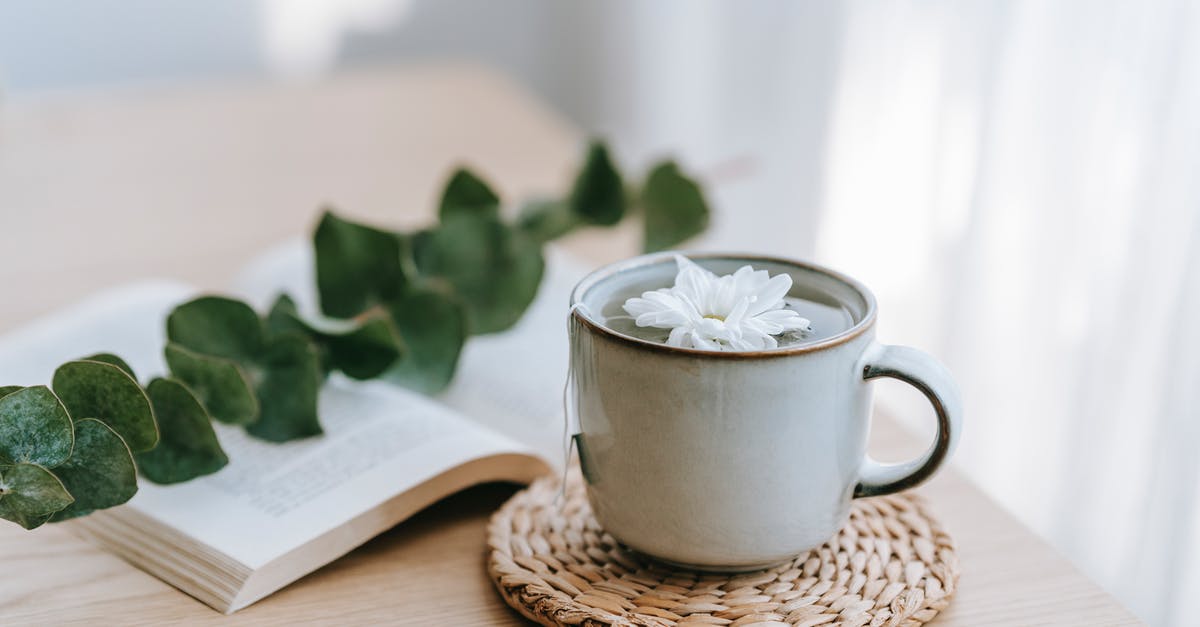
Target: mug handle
928, 375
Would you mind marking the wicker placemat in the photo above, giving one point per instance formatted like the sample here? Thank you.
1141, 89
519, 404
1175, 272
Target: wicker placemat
891, 564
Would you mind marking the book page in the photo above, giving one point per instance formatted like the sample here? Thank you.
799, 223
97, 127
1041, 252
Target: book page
379, 439
510, 381
127, 320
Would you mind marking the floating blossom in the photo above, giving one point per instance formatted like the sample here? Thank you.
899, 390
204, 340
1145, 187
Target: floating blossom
742, 311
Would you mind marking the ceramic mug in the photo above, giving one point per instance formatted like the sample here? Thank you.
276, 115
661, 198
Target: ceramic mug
737, 460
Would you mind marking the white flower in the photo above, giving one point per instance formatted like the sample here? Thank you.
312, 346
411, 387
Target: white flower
740, 311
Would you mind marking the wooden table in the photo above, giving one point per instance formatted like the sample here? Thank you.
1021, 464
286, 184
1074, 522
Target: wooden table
101, 189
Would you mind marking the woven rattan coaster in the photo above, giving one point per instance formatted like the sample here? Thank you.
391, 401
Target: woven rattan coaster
891, 564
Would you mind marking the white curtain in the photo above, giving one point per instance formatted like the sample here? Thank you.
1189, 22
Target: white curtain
1020, 184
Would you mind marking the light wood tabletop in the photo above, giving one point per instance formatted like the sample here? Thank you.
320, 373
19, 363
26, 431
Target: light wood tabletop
98, 189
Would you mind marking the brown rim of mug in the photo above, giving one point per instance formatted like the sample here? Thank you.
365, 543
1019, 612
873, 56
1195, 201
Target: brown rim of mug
612, 269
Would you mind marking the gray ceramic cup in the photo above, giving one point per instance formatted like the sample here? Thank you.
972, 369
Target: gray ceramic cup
737, 460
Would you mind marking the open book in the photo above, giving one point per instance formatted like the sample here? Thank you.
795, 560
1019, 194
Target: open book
279, 511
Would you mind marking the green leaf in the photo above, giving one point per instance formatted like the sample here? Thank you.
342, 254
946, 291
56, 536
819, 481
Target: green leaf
188, 447
103, 391
34, 428
5, 390
109, 358
467, 194
284, 317
283, 370
495, 269
674, 206
100, 473
221, 385
288, 390
30, 494
546, 220
368, 350
363, 348
357, 266
216, 326
598, 195
434, 326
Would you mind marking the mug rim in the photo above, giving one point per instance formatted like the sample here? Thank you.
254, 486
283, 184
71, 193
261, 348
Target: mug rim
612, 269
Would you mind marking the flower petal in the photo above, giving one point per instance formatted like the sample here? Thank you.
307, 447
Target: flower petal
638, 306
748, 280
661, 320
735, 316
766, 327
699, 341
692, 279
678, 337
770, 295
788, 319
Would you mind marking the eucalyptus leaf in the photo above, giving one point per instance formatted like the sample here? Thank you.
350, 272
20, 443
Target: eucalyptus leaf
30, 494
674, 208
221, 385
217, 326
367, 351
546, 220
94, 389
110, 358
358, 266
288, 390
188, 446
598, 195
283, 369
284, 317
362, 348
467, 194
494, 268
34, 428
100, 473
434, 325
5, 390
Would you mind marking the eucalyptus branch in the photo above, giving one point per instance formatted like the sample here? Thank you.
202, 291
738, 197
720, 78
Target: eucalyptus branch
398, 305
